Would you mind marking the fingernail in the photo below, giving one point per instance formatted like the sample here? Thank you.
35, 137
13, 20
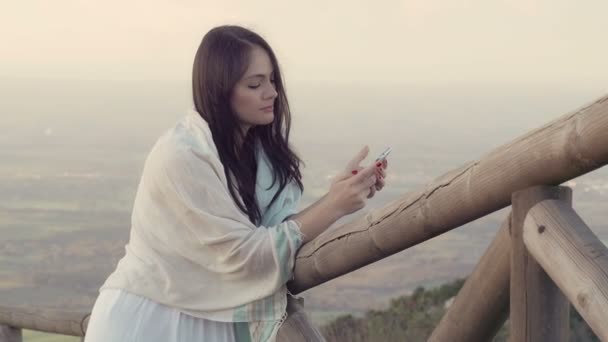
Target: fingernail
378, 164
354, 172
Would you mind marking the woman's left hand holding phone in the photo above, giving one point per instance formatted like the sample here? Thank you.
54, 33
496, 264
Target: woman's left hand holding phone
353, 167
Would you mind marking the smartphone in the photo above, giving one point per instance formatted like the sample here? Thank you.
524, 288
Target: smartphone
384, 154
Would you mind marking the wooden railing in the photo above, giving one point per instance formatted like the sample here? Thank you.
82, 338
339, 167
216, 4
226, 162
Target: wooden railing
542, 259
525, 266
72, 323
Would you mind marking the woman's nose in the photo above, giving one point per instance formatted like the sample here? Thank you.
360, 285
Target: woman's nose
271, 92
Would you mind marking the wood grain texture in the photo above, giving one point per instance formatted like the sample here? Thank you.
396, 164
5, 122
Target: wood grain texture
482, 305
52, 321
573, 257
538, 310
566, 148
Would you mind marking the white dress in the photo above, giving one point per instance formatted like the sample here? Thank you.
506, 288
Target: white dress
121, 316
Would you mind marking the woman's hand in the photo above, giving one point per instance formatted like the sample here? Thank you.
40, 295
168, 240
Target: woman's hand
353, 167
347, 194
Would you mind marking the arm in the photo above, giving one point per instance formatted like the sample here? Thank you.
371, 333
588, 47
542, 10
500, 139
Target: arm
316, 218
310, 207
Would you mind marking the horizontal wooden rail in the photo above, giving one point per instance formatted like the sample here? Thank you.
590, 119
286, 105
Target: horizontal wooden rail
48, 320
564, 149
574, 258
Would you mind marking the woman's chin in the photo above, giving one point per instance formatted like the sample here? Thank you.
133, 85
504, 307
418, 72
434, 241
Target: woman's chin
269, 118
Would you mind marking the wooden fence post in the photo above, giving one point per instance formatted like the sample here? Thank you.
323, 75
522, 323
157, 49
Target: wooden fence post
10, 334
539, 311
573, 256
482, 305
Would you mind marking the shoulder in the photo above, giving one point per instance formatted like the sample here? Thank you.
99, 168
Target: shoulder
183, 148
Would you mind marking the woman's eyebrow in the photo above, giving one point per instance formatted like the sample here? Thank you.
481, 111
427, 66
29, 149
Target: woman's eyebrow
258, 75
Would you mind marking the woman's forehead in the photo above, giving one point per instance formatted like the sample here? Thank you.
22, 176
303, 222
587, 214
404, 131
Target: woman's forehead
259, 64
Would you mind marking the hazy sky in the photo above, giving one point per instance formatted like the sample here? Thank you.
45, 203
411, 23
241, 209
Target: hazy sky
498, 41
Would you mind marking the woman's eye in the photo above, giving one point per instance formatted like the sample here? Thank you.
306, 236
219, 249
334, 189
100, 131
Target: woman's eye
254, 86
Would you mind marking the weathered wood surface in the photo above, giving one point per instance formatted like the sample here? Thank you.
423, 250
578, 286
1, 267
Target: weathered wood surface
482, 305
564, 149
10, 334
539, 310
573, 257
47, 320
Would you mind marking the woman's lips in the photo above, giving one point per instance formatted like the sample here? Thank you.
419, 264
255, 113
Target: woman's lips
267, 109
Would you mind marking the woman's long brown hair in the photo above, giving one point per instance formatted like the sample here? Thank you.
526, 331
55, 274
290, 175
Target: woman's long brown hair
221, 60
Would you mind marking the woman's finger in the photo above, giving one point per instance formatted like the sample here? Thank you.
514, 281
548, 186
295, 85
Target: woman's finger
365, 173
372, 192
380, 172
346, 174
354, 163
355, 171
339, 177
380, 184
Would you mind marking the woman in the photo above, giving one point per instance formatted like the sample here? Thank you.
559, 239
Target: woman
214, 228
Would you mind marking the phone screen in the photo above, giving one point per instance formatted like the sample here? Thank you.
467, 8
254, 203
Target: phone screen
384, 154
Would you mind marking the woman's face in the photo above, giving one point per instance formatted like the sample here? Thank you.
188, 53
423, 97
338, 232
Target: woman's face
254, 94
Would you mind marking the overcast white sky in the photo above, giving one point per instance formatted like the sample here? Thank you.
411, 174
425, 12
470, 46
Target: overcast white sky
477, 41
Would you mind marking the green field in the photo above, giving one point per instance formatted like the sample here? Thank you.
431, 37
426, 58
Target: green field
320, 318
35, 336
